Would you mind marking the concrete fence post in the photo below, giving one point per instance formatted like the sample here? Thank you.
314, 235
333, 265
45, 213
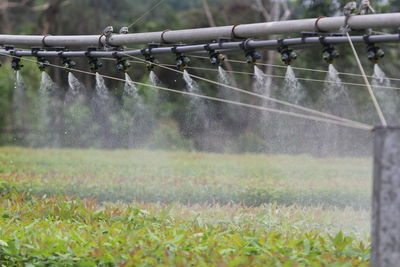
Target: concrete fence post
386, 198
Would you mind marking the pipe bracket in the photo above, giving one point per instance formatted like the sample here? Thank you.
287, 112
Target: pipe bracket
316, 26
44, 40
233, 34
162, 36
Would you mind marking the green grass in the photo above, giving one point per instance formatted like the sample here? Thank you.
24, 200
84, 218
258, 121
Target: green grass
149, 208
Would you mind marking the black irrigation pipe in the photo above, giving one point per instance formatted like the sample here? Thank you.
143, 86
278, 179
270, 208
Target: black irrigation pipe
225, 47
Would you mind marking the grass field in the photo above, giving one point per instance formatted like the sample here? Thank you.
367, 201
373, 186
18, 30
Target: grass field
152, 208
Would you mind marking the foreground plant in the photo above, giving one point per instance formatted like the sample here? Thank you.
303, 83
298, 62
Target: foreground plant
64, 231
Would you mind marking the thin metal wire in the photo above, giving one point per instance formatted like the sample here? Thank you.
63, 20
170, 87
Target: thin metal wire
299, 78
146, 13
267, 75
355, 125
295, 68
371, 92
281, 102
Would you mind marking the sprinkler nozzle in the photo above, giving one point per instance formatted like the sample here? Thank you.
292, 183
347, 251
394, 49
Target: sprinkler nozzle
16, 64
124, 30
375, 53
216, 58
330, 54
123, 65
287, 55
95, 64
182, 62
42, 63
68, 63
151, 62
252, 56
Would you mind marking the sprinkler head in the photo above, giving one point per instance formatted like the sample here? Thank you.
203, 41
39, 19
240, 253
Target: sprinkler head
123, 65
182, 62
287, 56
375, 53
216, 58
94, 64
68, 63
108, 31
330, 54
252, 56
124, 30
151, 62
42, 63
16, 64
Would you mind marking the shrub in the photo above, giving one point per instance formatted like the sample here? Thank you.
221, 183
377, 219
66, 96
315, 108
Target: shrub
168, 137
251, 143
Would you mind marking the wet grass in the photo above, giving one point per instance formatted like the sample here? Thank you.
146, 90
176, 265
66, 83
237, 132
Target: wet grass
88, 208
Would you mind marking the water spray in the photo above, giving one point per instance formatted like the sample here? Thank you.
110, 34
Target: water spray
94, 63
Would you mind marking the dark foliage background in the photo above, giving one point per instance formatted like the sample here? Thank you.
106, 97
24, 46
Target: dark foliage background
230, 129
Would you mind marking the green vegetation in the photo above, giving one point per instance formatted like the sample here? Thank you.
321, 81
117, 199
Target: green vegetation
147, 208
241, 130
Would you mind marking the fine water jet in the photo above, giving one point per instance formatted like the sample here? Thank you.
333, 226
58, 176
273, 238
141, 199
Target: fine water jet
46, 85
286, 138
293, 90
154, 80
101, 88
388, 97
235, 114
197, 118
75, 90
259, 85
335, 100
130, 89
19, 102
224, 77
45, 107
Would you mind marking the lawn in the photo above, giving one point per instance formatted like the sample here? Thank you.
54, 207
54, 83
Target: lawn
152, 208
